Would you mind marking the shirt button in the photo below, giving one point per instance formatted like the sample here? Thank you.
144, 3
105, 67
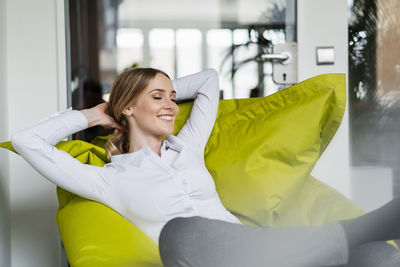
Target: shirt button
184, 182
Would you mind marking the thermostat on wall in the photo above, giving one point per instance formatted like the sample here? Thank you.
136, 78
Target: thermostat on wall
325, 55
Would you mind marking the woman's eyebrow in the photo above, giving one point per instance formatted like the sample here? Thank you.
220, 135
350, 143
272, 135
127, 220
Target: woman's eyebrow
162, 90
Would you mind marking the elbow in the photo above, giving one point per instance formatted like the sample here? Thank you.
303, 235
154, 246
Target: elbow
214, 79
212, 72
27, 143
17, 140
21, 141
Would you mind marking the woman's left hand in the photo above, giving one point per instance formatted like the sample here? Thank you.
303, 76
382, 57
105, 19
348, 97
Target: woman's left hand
98, 116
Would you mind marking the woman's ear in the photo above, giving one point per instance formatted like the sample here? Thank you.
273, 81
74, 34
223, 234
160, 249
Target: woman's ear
128, 111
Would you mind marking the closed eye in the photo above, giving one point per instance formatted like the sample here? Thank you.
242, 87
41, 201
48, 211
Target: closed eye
159, 98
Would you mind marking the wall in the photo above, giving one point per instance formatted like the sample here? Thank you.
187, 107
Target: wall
33, 78
324, 23
4, 162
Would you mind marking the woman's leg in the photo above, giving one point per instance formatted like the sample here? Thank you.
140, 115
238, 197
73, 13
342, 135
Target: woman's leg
201, 242
378, 225
374, 254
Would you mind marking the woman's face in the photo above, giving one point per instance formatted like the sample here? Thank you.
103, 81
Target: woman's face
155, 109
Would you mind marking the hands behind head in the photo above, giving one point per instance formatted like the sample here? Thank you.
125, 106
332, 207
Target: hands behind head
108, 122
98, 115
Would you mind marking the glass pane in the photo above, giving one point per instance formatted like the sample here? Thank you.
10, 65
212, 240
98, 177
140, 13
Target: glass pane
162, 42
189, 54
129, 48
261, 11
180, 37
246, 75
219, 43
374, 84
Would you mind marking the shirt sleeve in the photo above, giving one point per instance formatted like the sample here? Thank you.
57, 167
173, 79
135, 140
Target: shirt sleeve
36, 144
204, 86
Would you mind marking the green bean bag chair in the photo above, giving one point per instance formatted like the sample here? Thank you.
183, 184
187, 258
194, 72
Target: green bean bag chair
260, 154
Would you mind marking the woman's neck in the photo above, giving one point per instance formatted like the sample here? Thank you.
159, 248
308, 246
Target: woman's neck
137, 142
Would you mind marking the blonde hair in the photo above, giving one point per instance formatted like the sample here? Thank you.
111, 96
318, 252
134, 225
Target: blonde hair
125, 91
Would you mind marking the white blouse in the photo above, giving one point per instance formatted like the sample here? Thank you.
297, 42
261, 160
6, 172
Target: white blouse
143, 187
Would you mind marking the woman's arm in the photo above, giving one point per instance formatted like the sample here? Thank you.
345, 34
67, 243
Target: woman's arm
204, 86
36, 144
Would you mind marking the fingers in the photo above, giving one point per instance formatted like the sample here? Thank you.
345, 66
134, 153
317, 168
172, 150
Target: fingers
112, 124
107, 121
118, 128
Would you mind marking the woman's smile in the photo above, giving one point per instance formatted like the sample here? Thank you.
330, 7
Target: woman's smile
166, 117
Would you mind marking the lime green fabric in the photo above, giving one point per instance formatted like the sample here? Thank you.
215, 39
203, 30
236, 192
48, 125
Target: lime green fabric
315, 204
260, 153
95, 235
7, 145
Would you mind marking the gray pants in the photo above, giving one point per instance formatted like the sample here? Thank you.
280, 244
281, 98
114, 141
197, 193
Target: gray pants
201, 242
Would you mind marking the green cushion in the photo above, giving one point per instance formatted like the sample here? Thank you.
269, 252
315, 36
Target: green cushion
260, 153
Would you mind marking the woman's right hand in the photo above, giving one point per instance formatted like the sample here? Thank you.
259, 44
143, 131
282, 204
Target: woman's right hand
98, 116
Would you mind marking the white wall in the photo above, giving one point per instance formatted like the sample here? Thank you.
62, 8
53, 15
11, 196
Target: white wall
324, 23
4, 162
33, 77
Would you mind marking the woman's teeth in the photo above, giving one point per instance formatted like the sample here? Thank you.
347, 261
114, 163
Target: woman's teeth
167, 118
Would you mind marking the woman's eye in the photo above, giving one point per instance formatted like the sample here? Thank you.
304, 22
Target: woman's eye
159, 98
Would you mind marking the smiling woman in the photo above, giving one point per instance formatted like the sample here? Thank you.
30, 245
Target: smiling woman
153, 114
149, 180
137, 99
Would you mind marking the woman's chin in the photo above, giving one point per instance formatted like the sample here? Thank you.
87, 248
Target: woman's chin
167, 131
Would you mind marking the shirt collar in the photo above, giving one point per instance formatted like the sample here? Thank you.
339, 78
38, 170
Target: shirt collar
135, 158
173, 142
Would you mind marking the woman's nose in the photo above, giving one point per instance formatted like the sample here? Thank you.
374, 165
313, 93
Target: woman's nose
170, 104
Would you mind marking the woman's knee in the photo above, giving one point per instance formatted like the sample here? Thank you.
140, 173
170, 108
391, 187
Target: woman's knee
175, 239
174, 228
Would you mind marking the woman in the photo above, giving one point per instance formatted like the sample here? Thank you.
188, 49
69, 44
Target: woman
151, 180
